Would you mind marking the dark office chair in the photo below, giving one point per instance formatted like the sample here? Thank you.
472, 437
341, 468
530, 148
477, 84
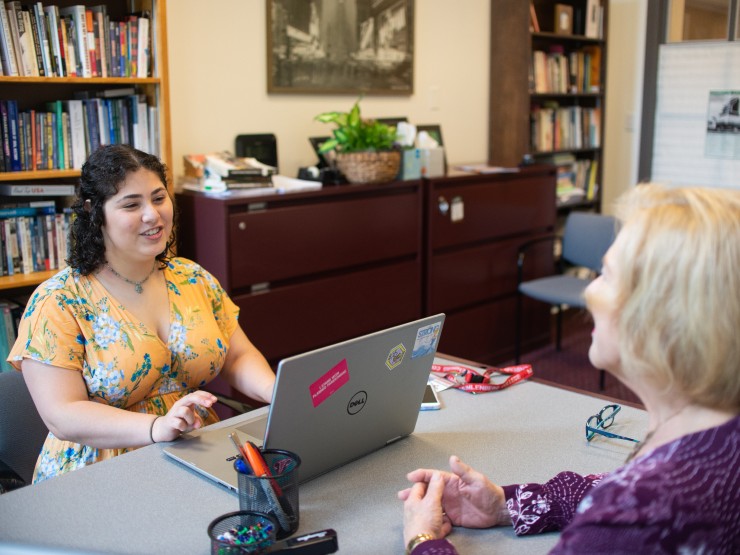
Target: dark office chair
262, 146
584, 242
22, 432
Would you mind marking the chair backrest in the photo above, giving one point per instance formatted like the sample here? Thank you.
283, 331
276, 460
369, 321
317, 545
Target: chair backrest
262, 146
22, 432
586, 238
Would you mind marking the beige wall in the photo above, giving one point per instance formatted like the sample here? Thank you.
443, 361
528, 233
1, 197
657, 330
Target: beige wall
218, 81
218, 85
626, 62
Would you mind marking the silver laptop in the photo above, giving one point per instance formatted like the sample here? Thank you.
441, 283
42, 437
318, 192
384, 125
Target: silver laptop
330, 406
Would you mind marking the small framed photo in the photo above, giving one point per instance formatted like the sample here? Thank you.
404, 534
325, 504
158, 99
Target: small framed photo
563, 19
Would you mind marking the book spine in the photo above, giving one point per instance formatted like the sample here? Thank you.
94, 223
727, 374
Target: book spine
99, 16
90, 43
60, 235
67, 141
133, 46
15, 36
49, 132
38, 47
24, 243
64, 45
15, 152
5, 252
68, 29
22, 142
49, 64
5, 126
52, 28
36, 190
79, 22
7, 54
93, 131
143, 48
25, 41
115, 49
40, 146
123, 52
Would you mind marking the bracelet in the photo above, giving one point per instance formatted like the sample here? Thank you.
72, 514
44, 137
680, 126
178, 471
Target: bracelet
416, 540
151, 428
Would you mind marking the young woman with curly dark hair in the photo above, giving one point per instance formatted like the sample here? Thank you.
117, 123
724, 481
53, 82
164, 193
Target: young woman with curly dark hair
115, 347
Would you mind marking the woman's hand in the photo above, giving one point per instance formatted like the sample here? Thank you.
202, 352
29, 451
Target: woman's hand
422, 510
182, 416
469, 499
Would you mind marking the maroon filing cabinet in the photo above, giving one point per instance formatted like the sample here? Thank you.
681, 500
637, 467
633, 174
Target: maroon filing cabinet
311, 269
474, 227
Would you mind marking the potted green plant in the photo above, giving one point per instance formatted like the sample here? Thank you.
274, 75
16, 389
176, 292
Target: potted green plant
364, 148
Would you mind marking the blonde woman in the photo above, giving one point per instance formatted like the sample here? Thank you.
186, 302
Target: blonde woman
666, 313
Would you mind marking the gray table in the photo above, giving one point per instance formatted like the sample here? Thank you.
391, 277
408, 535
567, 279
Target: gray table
142, 502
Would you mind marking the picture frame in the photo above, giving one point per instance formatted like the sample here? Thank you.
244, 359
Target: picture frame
563, 19
360, 47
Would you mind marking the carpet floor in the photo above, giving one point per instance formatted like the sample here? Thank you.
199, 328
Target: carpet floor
570, 366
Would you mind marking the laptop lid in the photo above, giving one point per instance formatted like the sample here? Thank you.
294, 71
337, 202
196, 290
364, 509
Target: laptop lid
331, 405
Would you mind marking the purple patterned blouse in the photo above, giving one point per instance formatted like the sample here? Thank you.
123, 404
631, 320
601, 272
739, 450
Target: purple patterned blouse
683, 497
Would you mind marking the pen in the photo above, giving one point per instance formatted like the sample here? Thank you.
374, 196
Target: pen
272, 490
237, 443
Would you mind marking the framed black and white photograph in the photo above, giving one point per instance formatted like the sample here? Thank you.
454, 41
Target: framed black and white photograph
340, 46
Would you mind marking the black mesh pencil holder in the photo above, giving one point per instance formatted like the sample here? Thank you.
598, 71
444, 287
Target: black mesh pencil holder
241, 532
276, 494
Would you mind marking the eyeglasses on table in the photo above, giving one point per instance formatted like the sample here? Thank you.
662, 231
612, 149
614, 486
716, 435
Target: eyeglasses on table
598, 423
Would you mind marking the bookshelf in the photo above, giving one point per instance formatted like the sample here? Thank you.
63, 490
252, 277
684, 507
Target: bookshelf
115, 97
547, 91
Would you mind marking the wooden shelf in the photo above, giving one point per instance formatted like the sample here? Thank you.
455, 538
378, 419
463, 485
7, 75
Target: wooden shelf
17, 281
514, 104
38, 174
32, 93
81, 80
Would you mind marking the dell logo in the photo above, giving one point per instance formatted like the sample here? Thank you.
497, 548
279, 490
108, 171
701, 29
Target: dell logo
357, 402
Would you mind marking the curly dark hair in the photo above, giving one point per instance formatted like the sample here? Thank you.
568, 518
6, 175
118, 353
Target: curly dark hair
102, 175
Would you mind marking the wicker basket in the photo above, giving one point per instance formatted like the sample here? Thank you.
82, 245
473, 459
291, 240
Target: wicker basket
369, 167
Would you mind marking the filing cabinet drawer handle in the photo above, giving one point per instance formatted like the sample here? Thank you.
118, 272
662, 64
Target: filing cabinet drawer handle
444, 206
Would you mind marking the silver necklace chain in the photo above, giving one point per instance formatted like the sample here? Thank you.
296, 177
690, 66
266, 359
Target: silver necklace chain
638, 446
137, 284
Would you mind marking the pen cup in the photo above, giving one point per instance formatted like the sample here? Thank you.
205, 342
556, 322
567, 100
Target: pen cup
276, 494
242, 532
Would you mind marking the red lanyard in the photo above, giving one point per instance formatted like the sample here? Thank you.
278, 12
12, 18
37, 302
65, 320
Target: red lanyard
473, 381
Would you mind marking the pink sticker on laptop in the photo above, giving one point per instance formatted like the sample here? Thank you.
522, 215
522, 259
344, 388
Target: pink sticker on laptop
328, 384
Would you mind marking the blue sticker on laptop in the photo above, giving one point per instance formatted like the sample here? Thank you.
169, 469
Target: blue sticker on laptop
426, 340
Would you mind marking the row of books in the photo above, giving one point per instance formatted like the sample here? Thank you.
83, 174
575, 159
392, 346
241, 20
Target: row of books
576, 178
555, 127
559, 72
33, 238
63, 136
72, 41
10, 316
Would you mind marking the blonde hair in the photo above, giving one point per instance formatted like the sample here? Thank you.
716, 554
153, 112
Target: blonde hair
678, 275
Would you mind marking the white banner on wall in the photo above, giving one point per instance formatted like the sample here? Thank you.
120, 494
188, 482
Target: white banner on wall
696, 80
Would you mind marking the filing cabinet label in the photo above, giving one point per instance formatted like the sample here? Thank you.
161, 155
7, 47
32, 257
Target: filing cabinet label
395, 357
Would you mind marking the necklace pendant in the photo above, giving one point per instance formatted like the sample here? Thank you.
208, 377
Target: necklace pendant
138, 288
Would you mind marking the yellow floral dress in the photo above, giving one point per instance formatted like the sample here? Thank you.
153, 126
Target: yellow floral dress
72, 322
